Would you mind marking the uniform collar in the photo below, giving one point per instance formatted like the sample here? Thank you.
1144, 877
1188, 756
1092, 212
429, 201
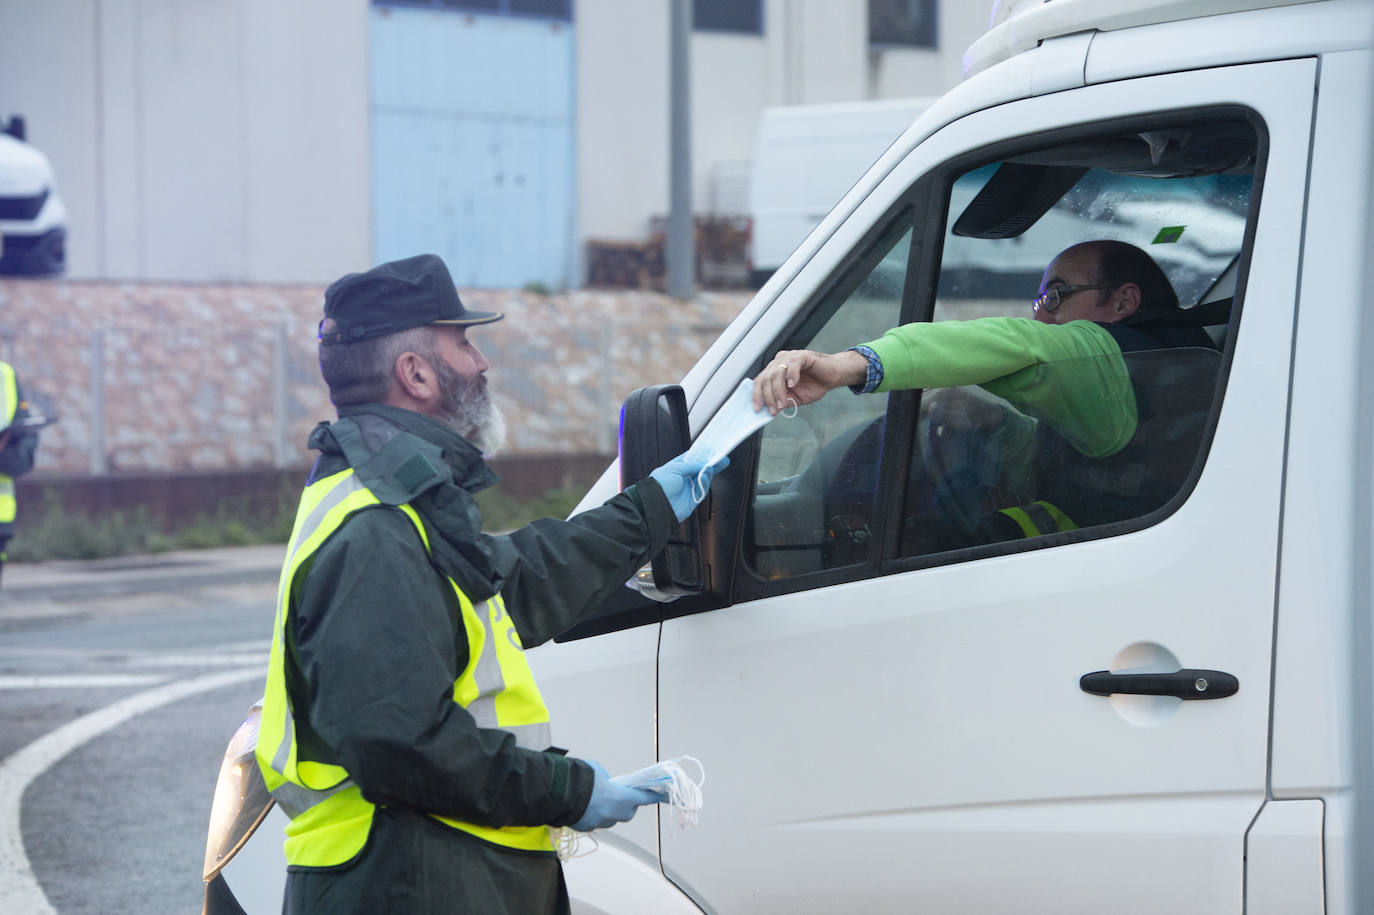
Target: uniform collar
399, 453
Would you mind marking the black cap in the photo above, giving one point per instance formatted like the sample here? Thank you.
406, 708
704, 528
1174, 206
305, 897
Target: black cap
393, 297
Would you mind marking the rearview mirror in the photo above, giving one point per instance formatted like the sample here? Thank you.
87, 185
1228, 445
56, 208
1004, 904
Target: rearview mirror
653, 430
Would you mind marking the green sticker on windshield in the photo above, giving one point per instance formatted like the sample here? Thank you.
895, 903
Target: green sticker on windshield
1168, 235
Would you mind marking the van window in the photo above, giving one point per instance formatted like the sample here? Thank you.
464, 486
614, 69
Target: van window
1088, 439
795, 512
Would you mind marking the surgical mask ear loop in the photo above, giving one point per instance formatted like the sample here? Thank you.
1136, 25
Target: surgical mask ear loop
698, 487
684, 792
795, 409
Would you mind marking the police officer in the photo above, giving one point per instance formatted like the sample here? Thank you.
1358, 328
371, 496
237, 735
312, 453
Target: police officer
17, 447
402, 730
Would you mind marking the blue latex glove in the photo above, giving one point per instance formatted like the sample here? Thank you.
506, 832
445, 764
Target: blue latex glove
611, 803
685, 480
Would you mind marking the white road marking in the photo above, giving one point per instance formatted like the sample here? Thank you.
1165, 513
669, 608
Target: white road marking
19, 887
199, 660
94, 681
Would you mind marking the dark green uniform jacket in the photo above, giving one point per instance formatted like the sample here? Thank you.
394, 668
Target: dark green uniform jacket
375, 643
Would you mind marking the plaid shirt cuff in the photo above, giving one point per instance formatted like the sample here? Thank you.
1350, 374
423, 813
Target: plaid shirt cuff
874, 376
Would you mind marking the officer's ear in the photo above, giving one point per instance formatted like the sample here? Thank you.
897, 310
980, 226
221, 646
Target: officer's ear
416, 378
1125, 301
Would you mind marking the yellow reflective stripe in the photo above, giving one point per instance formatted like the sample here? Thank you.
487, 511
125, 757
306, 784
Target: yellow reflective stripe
276, 749
318, 776
525, 838
1048, 516
1022, 520
465, 688
414, 517
8, 505
1062, 521
520, 702
9, 394
330, 832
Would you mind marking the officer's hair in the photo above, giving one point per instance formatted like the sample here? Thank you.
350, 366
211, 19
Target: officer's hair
1119, 263
361, 372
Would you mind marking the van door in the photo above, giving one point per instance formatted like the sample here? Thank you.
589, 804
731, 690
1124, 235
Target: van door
893, 711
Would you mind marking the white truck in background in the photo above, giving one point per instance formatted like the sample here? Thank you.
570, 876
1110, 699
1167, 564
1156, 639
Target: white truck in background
805, 158
1168, 707
33, 219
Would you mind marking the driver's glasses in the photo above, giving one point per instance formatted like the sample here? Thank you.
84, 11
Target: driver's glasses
1052, 297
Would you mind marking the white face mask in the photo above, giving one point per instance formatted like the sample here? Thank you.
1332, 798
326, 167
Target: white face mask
735, 421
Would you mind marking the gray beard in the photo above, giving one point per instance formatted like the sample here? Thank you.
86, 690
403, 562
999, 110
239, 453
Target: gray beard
465, 406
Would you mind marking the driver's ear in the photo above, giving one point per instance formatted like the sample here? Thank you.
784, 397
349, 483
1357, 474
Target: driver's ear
1127, 302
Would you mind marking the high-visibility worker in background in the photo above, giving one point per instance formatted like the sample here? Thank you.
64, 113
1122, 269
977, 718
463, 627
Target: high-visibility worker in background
17, 448
402, 730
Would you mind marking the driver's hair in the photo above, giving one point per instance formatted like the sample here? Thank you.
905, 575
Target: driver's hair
1119, 262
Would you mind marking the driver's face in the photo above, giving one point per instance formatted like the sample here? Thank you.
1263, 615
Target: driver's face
1075, 267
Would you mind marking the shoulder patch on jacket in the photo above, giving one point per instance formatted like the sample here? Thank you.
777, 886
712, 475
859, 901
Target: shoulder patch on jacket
415, 472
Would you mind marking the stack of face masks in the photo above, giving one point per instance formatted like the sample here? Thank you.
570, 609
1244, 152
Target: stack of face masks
668, 779
671, 782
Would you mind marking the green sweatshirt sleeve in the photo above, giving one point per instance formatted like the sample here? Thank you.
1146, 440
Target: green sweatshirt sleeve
1070, 376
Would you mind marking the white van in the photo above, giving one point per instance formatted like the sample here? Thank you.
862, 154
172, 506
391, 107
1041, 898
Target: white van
897, 717
805, 158
33, 220
1166, 709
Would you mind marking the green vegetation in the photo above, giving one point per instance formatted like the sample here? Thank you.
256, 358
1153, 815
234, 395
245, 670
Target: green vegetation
61, 534
65, 535
500, 512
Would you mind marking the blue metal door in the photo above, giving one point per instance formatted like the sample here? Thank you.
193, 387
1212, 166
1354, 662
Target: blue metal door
472, 144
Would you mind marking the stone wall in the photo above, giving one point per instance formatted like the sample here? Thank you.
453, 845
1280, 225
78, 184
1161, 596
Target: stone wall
159, 378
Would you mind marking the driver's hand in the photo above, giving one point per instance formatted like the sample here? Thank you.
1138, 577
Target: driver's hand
803, 376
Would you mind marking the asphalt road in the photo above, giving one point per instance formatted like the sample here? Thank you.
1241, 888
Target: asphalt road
120, 686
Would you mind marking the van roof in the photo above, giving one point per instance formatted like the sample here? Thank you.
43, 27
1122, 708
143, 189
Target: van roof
1019, 25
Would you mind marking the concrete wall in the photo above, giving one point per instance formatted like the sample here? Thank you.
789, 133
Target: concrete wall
150, 377
198, 140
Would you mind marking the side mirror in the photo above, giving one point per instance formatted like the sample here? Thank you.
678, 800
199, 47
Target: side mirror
653, 430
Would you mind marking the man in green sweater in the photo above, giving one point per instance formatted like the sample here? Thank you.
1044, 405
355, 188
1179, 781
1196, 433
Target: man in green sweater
1061, 369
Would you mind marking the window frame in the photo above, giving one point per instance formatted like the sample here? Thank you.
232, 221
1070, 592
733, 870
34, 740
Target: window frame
890, 44
727, 511
724, 30
502, 10
918, 303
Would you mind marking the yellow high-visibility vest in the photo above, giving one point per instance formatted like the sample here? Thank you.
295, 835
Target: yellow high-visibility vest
9, 406
330, 819
1039, 518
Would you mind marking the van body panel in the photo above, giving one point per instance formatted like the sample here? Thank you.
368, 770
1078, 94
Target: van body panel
1258, 35
600, 695
1283, 868
607, 876
1035, 22
1320, 559
896, 724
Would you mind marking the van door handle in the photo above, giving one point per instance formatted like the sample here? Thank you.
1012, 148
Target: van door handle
1182, 684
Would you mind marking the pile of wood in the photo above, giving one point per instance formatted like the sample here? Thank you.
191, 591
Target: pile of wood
722, 257
627, 265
